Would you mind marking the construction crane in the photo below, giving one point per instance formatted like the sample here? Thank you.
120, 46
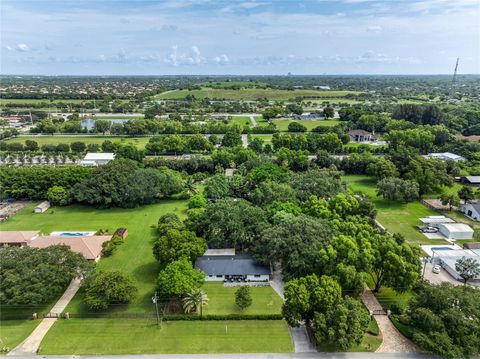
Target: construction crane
454, 80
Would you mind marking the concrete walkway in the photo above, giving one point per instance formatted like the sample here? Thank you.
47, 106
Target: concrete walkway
30, 345
245, 141
254, 122
393, 340
300, 337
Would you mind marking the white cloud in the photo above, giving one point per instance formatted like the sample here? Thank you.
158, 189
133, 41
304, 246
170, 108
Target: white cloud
22, 47
374, 28
222, 59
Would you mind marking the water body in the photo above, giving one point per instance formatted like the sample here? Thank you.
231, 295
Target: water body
89, 123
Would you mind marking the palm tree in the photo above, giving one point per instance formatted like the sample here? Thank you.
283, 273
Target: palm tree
196, 298
190, 185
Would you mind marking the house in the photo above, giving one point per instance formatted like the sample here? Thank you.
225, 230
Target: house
472, 180
446, 156
97, 159
17, 238
456, 231
88, 246
229, 268
448, 258
362, 136
471, 210
42, 207
310, 116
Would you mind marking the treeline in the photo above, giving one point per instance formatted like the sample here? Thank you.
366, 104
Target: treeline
121, 183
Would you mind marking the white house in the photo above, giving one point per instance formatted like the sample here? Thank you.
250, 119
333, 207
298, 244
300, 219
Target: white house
446, 156
42, 207
471, 210
456, 231
96, 159
232, 268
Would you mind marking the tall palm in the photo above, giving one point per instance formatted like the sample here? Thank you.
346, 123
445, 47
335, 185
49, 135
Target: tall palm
195, 299
190, 185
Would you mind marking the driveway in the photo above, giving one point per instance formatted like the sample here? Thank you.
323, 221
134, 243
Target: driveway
393, 340
439, 278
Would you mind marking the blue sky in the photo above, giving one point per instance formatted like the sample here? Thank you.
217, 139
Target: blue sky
138, 37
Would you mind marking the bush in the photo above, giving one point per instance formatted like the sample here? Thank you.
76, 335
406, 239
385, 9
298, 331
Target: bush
107, 288
189, 317
243, 298
57, 195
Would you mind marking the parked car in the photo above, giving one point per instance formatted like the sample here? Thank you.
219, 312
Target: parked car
436, 269
429, 229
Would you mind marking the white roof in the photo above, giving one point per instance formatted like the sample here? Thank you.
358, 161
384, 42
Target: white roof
457, 227
436, 219
448, 155
220, 252
94, 156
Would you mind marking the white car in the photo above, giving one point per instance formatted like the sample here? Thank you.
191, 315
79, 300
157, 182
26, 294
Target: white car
436, 269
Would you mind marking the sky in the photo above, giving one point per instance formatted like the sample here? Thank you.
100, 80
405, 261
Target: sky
246, 37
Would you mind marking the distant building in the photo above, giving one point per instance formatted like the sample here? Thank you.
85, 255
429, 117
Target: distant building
232, 268
17, 238
97, 159
472, 180
454, 231
446, 156
42, 207
471, 210
309, 116
448, 258
361, 136
321, 87
435, 220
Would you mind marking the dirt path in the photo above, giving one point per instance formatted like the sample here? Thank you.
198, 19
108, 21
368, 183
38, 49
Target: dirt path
32, 343
393, 340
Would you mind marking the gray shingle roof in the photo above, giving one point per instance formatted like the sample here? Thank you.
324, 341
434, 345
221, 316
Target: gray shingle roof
230, 265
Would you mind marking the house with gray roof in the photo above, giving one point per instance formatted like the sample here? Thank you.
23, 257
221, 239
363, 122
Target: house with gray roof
232, 268
471, 210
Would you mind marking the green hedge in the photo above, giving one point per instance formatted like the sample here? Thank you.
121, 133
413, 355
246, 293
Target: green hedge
175, 317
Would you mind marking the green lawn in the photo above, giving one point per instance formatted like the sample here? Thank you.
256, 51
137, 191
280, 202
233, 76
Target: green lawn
138, 336
254, 94
282, 125
140, 142
134, 257
241, 120
37, 101
13, 332
222, 300
397, 217
265, 138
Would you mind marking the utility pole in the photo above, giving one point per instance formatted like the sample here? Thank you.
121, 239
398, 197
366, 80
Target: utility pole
155, 301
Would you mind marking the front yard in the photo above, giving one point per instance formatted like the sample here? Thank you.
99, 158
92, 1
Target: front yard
141, 336
222, 300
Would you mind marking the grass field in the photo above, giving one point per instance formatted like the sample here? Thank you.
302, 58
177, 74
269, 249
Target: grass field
252, 94
140, 142
264, 137
140, 336
282, 125
13, 332
222, 300
241, 120
395, 216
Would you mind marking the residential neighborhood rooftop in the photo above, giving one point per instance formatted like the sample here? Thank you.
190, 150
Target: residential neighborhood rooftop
230, 265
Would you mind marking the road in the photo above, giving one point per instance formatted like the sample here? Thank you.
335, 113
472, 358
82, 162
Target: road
246, 356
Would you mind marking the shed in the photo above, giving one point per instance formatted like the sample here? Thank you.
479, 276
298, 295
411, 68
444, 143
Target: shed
471, 210
96, 159
436, 220
456, 231
473, 180
121, 232
42, 207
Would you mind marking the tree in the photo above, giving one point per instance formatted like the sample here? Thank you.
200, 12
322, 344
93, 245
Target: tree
32, 276
102, 126
256, 144
195, 299
78, 147
342, 325
467, 268
216, 187
179, 278
57, 195
296, 127
31, 145
329, 112
396, 189
452, 200
232, 138
176, 244
107, 288
382, 168
466, 193
168, 222
243, 298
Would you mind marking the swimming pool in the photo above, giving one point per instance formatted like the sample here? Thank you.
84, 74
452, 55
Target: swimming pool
72, 234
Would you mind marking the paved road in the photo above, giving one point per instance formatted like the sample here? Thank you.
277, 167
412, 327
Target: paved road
393, 340
32, 343
247, 356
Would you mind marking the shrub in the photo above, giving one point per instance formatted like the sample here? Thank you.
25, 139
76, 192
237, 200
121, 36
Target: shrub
243, 298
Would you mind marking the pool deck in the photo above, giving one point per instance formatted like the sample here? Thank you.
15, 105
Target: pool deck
73, 233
